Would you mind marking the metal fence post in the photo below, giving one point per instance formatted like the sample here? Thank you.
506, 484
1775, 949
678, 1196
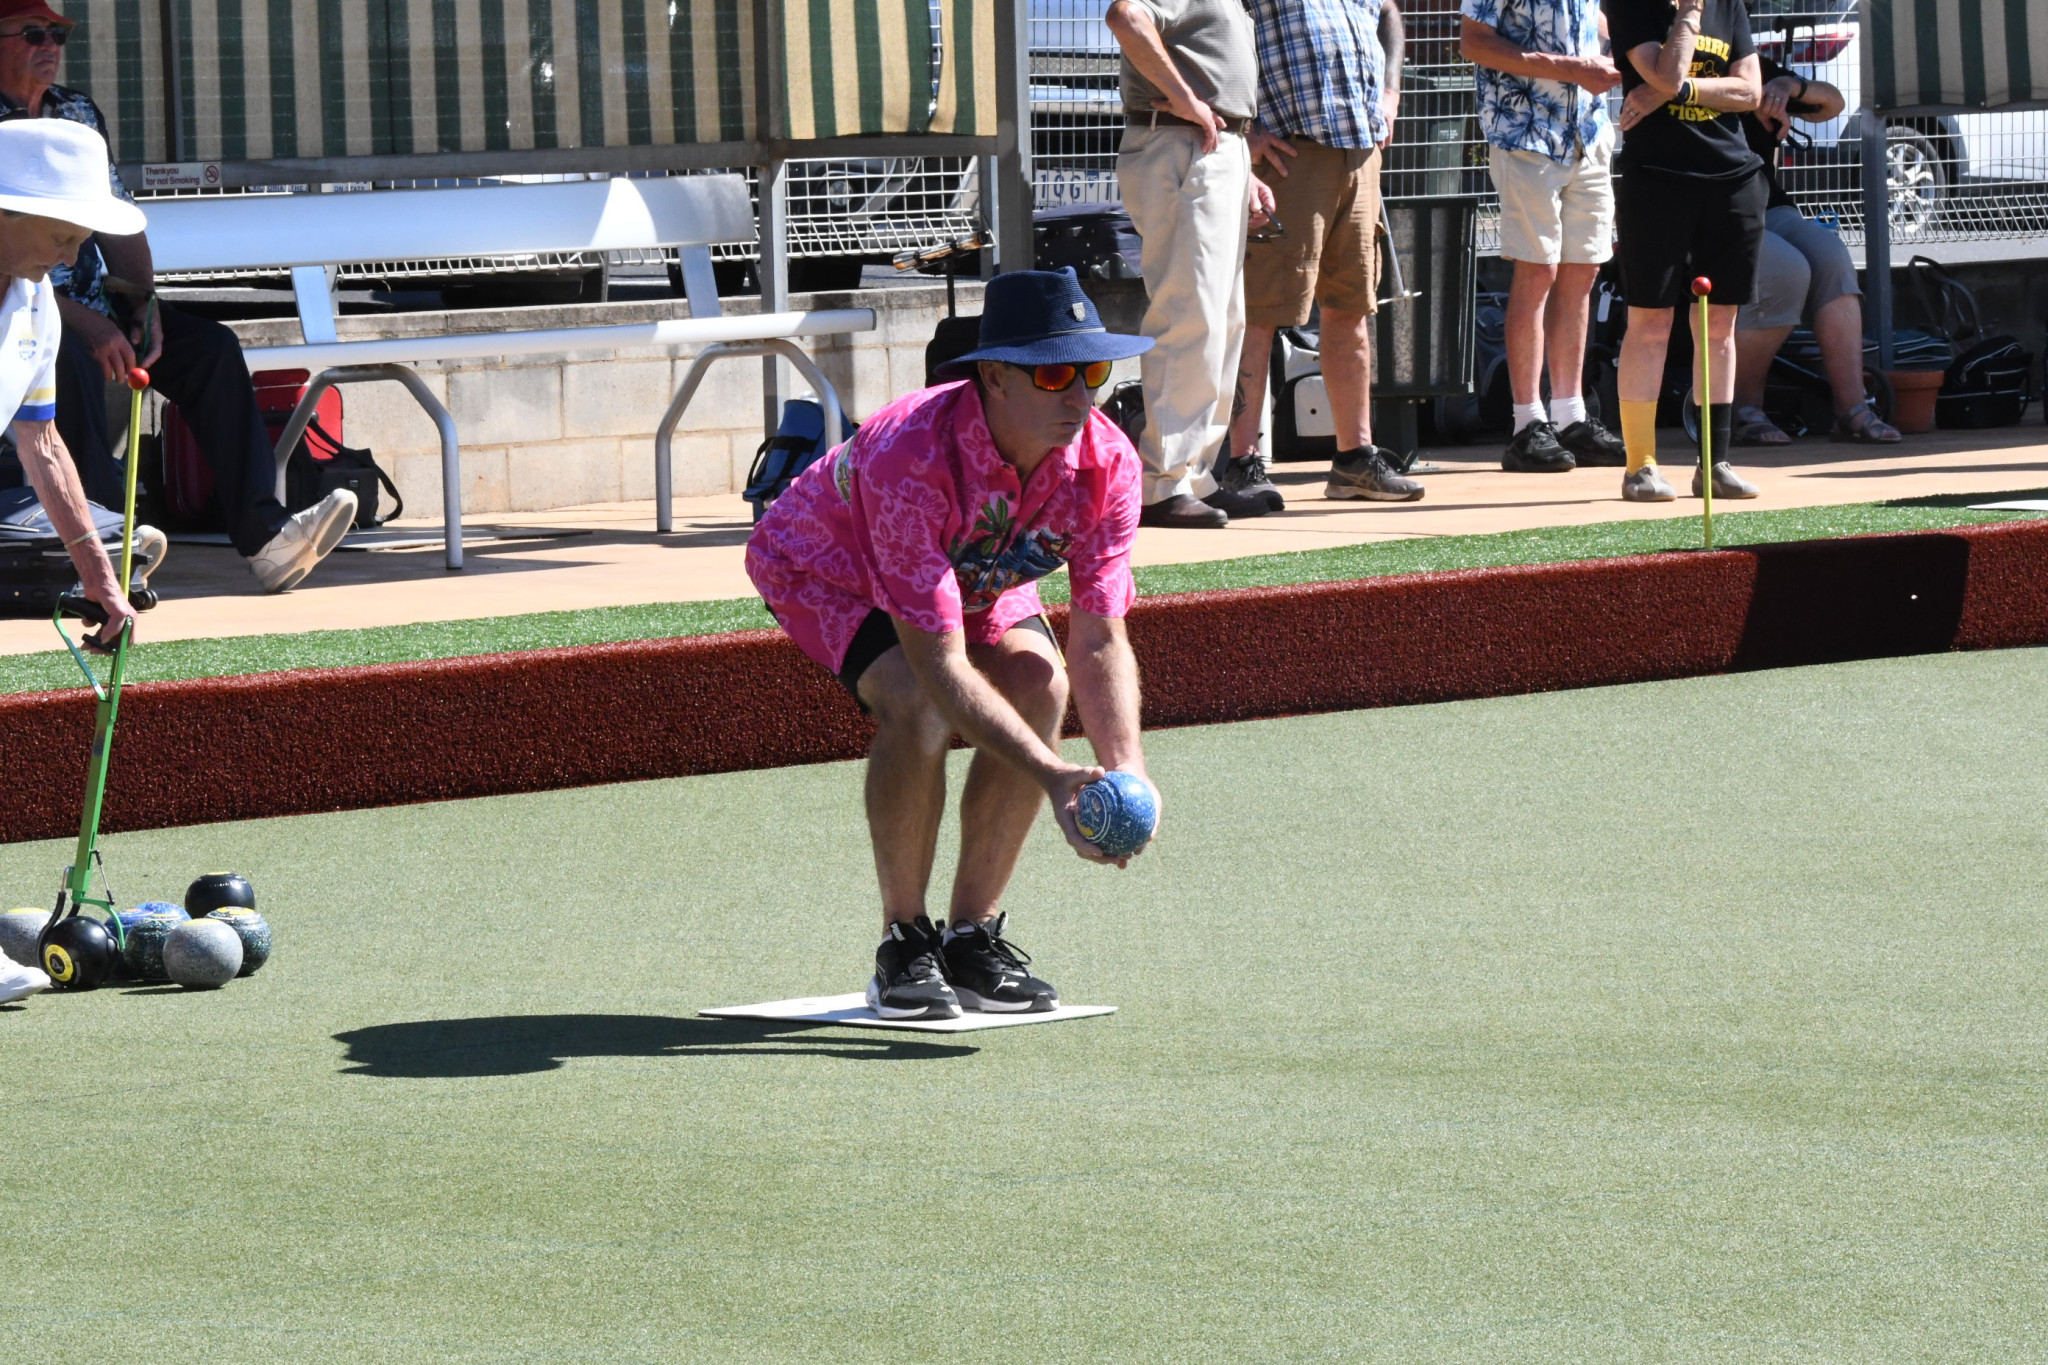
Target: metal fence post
1877, 235
1014, 197
773, 271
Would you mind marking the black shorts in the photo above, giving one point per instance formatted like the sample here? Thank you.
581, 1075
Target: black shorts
877, 636
1673, 229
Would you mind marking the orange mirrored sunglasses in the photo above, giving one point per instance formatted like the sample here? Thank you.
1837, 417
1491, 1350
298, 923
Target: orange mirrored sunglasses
1060, 378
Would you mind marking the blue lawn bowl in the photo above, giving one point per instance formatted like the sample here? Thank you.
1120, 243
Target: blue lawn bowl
1118, 813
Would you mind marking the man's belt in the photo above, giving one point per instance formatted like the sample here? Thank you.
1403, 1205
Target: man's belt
1159, 118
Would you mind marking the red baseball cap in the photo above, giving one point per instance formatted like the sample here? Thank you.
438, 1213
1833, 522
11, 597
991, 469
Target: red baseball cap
32, 9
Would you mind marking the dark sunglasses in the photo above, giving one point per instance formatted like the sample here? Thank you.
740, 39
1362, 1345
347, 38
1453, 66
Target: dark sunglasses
1060, 378
35, 35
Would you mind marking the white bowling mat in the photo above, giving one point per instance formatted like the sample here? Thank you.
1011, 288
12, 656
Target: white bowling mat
852, 1009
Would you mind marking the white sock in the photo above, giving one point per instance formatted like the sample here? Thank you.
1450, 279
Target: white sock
1525, 413
1565, 411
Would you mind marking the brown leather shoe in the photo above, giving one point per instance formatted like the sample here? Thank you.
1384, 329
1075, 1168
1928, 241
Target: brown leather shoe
1185, 511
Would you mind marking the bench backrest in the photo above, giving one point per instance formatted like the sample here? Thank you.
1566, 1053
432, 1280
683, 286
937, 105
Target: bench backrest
310, 234
272, 231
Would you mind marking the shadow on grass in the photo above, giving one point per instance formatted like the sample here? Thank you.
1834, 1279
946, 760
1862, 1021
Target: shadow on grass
1966, 499
517, 1045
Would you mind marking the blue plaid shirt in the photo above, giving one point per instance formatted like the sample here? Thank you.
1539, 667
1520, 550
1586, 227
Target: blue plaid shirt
1320, 70
1554, 118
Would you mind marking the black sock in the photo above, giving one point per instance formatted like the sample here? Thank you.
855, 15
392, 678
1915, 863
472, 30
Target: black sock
1721, 422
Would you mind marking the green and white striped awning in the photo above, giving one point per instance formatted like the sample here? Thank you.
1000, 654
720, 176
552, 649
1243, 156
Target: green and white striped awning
264, 79
1954, 54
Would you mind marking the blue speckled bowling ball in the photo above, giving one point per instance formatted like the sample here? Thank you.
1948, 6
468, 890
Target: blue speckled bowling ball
1117, 813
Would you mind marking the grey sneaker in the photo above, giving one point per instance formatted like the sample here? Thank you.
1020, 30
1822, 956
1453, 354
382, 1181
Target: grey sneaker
1367, 473
1249, 475
309, 537
1646, 485
1727, 482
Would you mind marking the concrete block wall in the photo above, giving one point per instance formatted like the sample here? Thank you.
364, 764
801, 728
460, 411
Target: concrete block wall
546, 431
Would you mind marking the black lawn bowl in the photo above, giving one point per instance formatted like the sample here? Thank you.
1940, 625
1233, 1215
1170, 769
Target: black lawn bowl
216, 890
77, 953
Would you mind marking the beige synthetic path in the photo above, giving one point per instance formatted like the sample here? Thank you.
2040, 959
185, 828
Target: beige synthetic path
209, 591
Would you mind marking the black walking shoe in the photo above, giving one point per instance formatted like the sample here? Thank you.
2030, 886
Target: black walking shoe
909, 982
1183, 510
987, 971
1369, 472
1248, 474
1235, 505
1535, 450
1593, 445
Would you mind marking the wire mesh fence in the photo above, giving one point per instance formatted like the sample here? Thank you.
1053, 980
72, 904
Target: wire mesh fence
1952, 178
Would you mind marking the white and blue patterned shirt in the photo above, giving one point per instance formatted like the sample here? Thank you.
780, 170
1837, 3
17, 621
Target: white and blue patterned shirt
1320, 70
1521, 114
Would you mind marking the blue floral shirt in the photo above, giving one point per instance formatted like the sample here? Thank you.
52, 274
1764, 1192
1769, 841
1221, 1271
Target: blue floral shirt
1521, 114
1321, 70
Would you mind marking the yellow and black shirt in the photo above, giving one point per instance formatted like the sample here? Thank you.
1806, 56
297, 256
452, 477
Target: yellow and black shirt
1688, 141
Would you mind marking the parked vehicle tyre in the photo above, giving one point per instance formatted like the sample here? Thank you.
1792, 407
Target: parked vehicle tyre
1917, 178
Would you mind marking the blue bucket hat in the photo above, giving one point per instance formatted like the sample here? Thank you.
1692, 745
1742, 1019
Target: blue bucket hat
1041, 317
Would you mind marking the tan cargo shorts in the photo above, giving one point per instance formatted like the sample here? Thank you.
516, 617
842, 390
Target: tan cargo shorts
1329, 203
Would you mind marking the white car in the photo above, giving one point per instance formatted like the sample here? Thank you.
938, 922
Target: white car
1951, 176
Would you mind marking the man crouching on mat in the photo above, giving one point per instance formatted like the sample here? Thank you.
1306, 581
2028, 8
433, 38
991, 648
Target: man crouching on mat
906, 562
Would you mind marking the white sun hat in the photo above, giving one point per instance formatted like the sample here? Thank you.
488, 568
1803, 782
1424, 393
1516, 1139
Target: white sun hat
55, 168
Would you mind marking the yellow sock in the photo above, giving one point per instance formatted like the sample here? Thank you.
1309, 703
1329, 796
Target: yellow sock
1639, 433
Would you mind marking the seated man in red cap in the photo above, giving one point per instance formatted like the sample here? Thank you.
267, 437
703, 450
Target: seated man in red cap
906, 563
53, 195
193, 361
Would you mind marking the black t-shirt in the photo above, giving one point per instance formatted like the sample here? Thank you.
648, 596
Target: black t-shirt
1764, 144
1692, 142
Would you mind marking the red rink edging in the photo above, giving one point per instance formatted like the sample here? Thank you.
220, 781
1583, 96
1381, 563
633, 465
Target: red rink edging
338, 739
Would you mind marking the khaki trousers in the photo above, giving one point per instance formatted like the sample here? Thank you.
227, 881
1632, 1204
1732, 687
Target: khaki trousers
1190, 210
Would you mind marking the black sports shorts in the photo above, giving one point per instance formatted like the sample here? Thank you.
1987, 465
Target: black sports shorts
1673, 229
877, 636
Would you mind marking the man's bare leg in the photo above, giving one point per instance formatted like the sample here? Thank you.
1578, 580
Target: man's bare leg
906, 784
999, 803
1249, 403
1528, 294
1564, 328
1347, 373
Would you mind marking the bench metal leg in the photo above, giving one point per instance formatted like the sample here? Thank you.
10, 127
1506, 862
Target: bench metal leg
451, 464
664, 435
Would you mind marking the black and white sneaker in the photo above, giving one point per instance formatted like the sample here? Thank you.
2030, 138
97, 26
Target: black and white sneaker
988, 971
1534, 450
909, 980
1593, 445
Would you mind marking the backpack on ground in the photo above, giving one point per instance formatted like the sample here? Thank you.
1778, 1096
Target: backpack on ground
320, 464
796, 445
1991, 380
1989, 385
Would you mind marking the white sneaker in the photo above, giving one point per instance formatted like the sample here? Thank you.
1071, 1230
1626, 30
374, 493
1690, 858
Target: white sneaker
151, 545
17, 981
309, 537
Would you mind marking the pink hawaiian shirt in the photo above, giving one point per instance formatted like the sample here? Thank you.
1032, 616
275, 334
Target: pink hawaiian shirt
918, 516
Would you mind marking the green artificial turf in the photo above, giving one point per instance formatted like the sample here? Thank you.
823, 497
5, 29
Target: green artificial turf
1691, 1021
497, 634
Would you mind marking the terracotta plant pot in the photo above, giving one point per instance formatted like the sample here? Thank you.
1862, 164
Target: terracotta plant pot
1913, 399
